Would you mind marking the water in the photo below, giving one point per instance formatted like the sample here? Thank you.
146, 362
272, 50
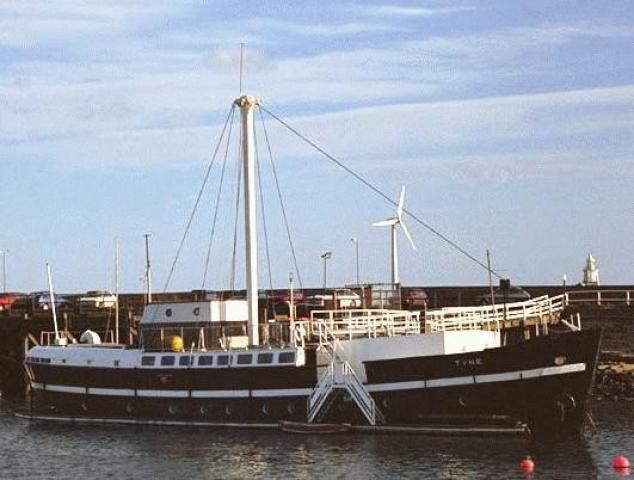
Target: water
56, 451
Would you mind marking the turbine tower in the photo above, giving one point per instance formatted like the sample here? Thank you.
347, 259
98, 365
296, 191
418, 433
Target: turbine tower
395, 222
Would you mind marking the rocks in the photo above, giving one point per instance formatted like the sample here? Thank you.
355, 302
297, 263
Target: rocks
615, 376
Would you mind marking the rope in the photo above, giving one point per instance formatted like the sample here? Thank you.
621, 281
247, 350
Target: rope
216, 208
200, 194
261, 194
235, 222
381, 194
281, 200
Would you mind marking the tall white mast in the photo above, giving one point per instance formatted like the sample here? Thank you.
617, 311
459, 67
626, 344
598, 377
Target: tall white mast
247, 103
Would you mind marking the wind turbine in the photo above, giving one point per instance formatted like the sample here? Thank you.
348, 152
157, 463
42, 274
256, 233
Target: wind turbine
395, 222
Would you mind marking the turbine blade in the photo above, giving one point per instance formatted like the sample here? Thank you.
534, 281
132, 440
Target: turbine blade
409, 237
401, 201
386, 223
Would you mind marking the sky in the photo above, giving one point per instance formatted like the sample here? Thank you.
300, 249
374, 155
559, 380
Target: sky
509, 123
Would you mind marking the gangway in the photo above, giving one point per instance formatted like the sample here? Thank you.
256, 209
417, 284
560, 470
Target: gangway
339, 377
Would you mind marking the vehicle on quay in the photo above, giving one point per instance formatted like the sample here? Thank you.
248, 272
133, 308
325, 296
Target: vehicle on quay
7, 299
97, 300
221, 362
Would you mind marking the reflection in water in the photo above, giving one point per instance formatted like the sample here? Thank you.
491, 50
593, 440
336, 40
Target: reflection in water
60, 451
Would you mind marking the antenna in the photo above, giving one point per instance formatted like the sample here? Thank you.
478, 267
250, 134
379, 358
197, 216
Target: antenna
242, 45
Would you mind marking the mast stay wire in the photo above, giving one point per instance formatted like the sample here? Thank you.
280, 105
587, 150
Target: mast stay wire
232, 280
197, 202
261, 195
218, 195
376, 190
281, 200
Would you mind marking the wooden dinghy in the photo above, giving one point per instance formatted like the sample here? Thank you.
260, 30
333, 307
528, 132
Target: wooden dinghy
321, 428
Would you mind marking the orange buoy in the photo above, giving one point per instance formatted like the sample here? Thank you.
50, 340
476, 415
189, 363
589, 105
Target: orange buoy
527, 465
621, 461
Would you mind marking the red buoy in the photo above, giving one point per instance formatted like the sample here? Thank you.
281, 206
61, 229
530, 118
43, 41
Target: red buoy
621, 461
527, 465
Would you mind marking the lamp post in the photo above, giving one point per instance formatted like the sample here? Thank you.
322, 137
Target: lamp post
4, 269
355, 240
326, 256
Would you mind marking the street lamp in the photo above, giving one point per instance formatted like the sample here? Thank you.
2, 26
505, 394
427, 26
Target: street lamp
4, 269
326, 256
355, 240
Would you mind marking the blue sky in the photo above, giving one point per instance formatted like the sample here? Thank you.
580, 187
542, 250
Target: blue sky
510, 123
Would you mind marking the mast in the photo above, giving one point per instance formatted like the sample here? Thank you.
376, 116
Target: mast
148, 269
116, 289
51, 297
247, 103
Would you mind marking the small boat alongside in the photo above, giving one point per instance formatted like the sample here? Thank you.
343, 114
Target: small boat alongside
220, 363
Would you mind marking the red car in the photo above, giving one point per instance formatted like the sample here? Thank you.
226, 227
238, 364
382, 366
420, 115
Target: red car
8, 298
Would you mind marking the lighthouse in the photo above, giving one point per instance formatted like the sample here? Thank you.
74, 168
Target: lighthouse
591, 272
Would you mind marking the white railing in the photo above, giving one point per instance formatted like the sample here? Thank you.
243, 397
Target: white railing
490, 317
599, 297
369, 323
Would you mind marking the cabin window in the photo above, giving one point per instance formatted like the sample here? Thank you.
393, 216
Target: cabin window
287, 357
185, 361
167, 360
245, 359
223, 360
206, 360
147, 361
265, 358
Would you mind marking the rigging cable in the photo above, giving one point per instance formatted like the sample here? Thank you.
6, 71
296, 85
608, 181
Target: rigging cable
232, 280
197, 202
261, 192
380, 193
281, 200
216, 208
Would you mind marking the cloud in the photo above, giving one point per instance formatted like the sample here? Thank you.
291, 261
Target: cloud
408, 11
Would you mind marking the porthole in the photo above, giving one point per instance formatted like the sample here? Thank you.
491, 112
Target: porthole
203, 410
265, 409
385, 403
228, 410
196, 311
172, 409
129, 408
290, 408
168, 312
84, 406
462, 401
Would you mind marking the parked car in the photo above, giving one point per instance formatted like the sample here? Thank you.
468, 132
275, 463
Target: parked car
97, 299
7, 299
416, 297
514, 294
339, 298
41, 301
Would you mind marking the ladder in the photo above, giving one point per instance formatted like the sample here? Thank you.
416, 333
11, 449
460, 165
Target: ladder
340, 377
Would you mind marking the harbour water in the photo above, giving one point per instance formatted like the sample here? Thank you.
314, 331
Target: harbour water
59, 451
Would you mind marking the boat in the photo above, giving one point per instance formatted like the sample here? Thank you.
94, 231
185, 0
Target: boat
320, 428
218, 362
